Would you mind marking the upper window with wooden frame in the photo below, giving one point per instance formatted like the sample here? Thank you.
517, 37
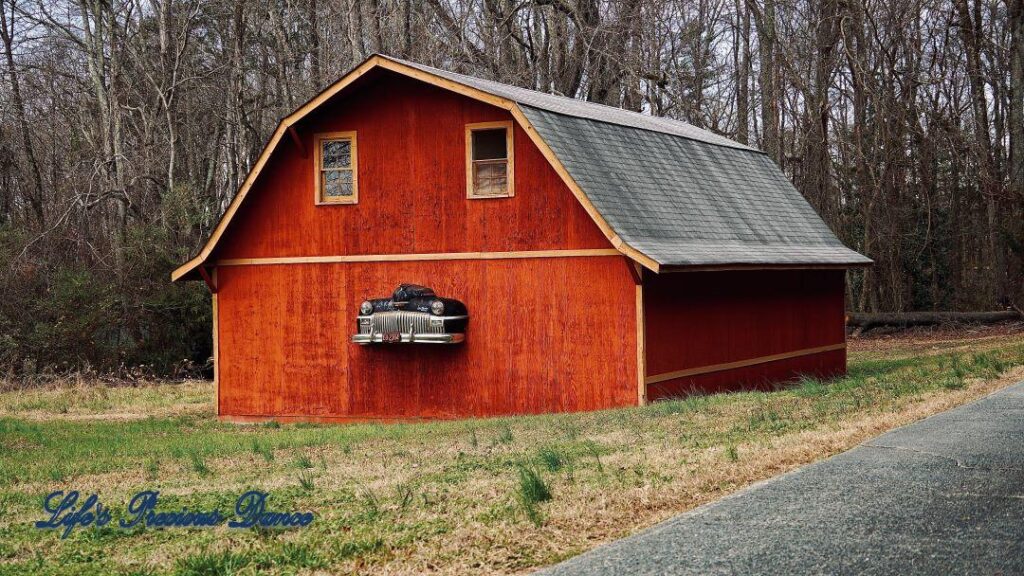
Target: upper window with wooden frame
336, 177
489, 160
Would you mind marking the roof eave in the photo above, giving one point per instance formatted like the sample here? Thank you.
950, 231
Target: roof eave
763, 266
188, 270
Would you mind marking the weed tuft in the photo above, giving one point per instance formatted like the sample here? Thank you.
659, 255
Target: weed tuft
504, 435
551, 459
263, 450
303, 462
291, 555
809, 387
199, 464
531, 491
594, 450
212, 564
405, 495
152, 468
351, 549
569, 428
371, 506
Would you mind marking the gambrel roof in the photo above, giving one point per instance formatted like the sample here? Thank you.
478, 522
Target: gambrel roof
665, 193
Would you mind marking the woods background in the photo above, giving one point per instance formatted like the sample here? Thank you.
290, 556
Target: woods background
126, 127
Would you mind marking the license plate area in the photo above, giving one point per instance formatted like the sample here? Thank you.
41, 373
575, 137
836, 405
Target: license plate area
391, 337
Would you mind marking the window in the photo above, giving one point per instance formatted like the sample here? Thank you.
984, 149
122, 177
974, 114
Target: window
336, 179
489, 160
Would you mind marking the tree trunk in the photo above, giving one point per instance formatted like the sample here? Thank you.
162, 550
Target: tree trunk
970, 34
741, 61
7, 30
816, 168
355, 29
764, 21
314, 47
1015, 11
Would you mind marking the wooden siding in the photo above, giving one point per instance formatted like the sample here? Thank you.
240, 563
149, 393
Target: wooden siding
702, 319
534, 344
412, 186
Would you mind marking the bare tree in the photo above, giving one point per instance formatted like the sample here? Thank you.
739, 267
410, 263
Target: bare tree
126, 127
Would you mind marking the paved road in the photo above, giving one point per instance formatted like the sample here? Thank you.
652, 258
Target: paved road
942, 496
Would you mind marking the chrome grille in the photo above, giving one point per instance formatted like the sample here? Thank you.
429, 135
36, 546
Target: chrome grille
400, 321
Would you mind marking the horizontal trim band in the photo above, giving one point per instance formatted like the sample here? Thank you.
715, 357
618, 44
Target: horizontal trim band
419, 257
741, 363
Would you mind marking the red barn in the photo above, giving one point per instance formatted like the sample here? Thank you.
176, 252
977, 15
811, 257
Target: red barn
604, 258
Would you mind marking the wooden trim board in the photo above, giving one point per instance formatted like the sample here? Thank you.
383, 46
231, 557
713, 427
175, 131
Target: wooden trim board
312, 419
641, 347
510, 159
741, 363
318, 170
216, 347
590, 253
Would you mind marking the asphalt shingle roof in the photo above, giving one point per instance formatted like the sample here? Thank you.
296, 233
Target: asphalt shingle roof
681, 195
579, 108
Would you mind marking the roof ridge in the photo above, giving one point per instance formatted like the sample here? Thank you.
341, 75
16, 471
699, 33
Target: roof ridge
711, 138
738, 146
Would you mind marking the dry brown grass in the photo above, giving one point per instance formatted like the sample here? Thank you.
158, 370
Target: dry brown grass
443, 497
82, 399
934, 339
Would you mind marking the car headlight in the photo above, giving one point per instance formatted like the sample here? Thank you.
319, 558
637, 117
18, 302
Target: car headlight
437, 307
366, 308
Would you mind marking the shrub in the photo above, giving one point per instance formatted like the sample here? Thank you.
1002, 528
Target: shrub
64, 311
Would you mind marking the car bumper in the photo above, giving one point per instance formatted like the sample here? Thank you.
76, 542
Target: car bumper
378, 338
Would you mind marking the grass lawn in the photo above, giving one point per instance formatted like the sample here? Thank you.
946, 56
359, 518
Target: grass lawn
498, 495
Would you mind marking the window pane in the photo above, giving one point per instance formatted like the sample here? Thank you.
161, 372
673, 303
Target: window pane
336, 153
490, 178
489, 144
336, 184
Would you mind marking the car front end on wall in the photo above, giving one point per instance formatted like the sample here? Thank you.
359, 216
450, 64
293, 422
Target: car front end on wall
413, 314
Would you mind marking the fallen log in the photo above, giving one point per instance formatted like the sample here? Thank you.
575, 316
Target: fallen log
866, 321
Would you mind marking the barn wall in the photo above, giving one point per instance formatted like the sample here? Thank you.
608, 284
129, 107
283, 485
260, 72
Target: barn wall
412, 186
533, 344
284, 330
701, 319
